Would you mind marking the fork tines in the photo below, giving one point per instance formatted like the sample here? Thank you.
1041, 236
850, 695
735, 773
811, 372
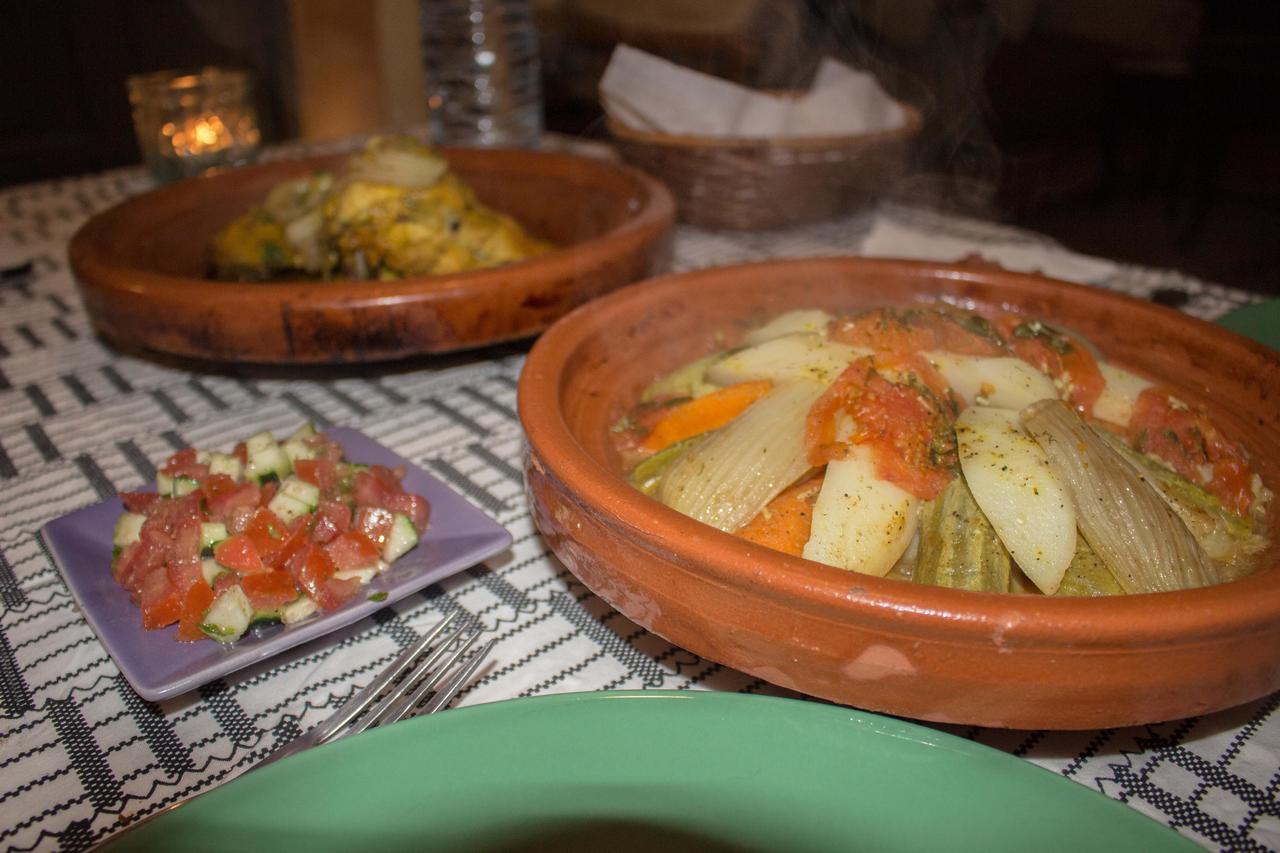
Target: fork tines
422, 670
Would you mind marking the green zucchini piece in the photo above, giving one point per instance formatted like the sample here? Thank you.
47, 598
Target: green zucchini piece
1088, 575
958, 546
647, 475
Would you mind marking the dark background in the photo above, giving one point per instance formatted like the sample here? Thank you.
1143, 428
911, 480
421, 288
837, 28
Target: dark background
1153, 141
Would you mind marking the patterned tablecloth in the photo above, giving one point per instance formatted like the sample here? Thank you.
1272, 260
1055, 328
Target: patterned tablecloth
82, 754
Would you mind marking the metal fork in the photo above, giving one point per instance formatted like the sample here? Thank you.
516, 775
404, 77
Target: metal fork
398, 694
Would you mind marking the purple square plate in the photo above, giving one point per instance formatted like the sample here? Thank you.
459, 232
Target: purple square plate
159, 666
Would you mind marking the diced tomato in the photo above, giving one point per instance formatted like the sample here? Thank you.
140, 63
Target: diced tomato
268, 491
180, 459
222, 505
267, 532
138, 501
335, 592
241, 452
310, 568
167, 514
238, 552
352, 550
194, 605
186, 541
139, 558
332, 517
414, 506
160, 600
269, 590
185, 574
216, 484
299, 535
369, 490
322, 473
375, 523
225, 581
325, 448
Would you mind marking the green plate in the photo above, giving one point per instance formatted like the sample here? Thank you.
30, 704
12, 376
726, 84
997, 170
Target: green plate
653, 770
1260, 321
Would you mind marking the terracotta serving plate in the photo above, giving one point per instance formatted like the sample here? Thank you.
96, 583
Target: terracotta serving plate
925, 652
141, 266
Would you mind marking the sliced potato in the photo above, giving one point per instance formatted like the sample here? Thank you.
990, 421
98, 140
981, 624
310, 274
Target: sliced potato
1119, 394
861, 522
1010, 477
1005, 382
812, 321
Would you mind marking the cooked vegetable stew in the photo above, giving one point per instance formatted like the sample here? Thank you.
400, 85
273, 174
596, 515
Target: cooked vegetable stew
977, 450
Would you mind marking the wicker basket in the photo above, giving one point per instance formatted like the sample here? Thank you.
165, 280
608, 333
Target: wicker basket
756, 184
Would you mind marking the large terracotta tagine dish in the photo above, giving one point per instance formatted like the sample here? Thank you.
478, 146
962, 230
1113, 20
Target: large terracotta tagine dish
938, 654
142, 266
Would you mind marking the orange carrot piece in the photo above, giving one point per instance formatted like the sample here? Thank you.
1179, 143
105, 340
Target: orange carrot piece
784, 524
708, 412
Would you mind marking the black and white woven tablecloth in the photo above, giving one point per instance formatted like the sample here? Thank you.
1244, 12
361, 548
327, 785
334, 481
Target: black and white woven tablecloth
81, 754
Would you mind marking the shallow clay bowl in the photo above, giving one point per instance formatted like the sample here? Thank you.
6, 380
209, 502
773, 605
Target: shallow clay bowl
141, 266
1015, 661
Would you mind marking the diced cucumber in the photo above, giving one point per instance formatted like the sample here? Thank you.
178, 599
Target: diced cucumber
259, 442
225, 463
183, 485
400, 540
211, 533
299, 609
307, 430
301, 490
228, 617
265, 617
203, 457
267, 459
296, 448
128, 529
164, 485
363, 575
287, 508
212, 570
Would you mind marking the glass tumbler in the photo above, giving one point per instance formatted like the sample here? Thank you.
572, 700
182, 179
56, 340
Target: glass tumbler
484, 84
188, 122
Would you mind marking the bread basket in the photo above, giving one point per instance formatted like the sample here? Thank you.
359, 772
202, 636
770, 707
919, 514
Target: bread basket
756, 184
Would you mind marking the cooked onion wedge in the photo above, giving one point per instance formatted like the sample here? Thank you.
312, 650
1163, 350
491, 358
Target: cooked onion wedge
795, 356
727, 478
1139, 538
813, 321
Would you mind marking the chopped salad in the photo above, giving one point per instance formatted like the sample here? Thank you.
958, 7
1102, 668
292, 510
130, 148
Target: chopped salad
269, 532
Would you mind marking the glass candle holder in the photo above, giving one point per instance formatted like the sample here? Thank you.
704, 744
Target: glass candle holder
189, 122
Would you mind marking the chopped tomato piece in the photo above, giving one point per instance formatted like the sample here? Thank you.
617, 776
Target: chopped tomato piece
370, 490
310, 568
322, 473
268, 491
185, 574
160, 600
269, 590
352, 550
238, 552
138, 501
414, 506
266, 531
375, 523
224, 504
335, 592
241, 452
299, 535
194, 605
332, 517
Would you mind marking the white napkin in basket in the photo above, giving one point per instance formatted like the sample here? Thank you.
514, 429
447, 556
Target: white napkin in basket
652, 94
